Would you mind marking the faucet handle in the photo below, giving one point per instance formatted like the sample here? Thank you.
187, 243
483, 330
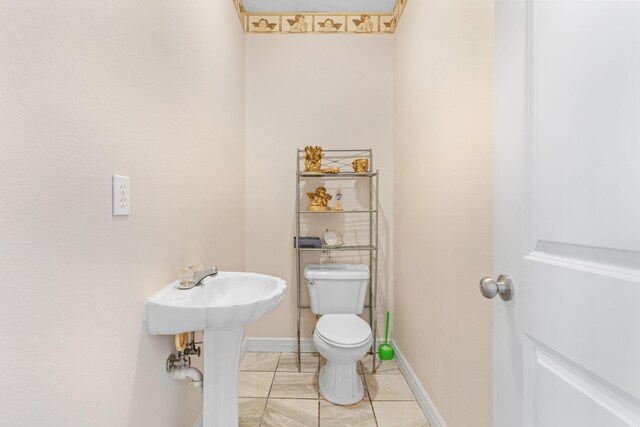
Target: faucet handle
187, 274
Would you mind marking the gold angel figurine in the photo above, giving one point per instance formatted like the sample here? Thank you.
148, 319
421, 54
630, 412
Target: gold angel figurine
313, 159
319, 200
360, 165
331, 170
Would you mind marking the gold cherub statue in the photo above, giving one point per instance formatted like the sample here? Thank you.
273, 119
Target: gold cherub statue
360, 165
313, 159
333, 170
319, 200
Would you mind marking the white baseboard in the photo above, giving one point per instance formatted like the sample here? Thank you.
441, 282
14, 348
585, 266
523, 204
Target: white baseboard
279, 345
425, 402
290, 345
244, 349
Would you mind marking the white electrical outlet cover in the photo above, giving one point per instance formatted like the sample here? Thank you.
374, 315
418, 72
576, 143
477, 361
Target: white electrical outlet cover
121, 195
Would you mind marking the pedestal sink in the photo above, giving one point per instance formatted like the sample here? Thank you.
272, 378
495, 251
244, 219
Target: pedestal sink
220, 306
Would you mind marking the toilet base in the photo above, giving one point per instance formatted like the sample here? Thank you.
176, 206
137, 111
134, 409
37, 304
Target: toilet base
340, 383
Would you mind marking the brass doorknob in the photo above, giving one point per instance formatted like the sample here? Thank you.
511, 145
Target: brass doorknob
489, 287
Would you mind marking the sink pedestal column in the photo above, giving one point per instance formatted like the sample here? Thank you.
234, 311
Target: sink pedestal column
221, 364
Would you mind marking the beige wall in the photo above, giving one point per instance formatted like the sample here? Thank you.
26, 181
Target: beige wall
149, 89
330, 90
442, 194
156, 92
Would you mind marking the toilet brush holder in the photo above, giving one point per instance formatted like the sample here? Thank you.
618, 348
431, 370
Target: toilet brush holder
385, 351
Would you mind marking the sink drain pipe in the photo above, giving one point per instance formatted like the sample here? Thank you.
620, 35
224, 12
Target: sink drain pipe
180, 366
192, 374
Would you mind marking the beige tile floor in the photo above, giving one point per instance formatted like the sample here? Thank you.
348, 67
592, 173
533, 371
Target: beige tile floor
273, 393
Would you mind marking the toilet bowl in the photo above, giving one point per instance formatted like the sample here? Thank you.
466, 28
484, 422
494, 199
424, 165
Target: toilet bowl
337, 292
342, 339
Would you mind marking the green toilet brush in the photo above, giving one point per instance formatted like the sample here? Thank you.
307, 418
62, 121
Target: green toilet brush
385, 351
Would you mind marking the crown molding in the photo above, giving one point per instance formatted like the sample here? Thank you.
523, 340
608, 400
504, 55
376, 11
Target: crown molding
320, 23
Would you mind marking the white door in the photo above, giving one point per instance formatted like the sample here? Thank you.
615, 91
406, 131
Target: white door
567, 213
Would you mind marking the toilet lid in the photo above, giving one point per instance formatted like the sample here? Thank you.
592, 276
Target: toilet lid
343, 329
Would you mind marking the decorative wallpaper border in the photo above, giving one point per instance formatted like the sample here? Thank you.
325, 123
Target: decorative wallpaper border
325, 23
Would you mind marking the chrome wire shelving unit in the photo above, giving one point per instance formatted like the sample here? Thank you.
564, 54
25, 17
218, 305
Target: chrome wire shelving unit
341, 159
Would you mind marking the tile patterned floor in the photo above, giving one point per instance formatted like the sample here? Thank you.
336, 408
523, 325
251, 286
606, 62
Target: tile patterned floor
273, 393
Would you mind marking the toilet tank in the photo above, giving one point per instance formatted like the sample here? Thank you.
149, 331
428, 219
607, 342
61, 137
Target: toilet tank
337, 288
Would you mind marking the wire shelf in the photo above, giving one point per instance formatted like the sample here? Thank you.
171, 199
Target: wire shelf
343, 159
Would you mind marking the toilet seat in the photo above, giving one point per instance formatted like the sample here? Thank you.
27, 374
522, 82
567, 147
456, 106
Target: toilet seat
343, 330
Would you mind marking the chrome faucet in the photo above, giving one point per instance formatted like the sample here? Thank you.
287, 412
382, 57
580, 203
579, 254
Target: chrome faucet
198, 277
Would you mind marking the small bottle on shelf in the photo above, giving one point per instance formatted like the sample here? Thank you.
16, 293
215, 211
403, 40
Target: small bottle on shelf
338, 205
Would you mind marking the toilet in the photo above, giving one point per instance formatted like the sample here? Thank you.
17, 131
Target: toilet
338, 292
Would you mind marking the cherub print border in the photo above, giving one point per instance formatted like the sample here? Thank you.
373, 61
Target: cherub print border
264, 24
330, 23
364, 23
298, 23
320, 23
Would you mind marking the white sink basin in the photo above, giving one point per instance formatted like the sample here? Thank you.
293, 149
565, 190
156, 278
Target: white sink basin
220, 306
224, 301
